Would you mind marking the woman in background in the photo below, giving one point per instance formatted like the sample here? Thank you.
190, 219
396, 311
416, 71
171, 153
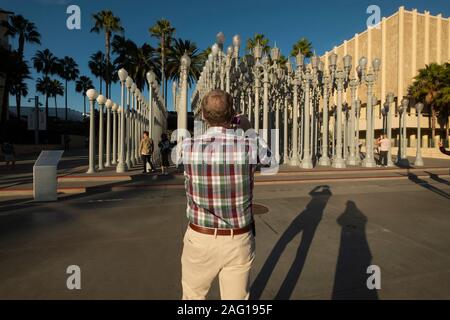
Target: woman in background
165, 148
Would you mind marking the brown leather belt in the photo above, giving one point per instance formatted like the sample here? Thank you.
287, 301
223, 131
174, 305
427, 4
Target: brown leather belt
220, 232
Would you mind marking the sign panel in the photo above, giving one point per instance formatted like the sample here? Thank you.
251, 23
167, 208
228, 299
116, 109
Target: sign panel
32, 121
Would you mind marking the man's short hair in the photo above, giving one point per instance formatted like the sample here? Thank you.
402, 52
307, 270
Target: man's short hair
217, 108
146, 133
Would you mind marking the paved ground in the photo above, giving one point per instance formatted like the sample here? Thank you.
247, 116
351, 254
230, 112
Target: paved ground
315, 242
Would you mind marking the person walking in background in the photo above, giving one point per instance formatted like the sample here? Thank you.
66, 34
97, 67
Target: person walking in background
66, 142
219, 179
165, 148
146, 148
9, 154
385, 145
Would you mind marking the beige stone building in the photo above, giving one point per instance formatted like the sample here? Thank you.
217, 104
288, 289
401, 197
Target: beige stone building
405, 42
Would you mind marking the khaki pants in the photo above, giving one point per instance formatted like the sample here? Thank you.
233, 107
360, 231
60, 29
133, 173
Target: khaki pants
206, 256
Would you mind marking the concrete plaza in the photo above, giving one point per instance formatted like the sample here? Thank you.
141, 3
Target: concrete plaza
315, 242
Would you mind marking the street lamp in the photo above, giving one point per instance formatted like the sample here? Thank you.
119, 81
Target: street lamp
109, 104
115, 109
369, 79
419, 161
325, 159
296, 78
101, 100
388, 109
402, 159
122, 166
340, 78
151, 79
353, 158
129, 84
92, 95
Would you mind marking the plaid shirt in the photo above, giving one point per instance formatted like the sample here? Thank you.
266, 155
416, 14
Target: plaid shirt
219, 171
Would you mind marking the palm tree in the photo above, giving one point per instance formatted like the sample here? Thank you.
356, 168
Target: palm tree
443, 100
262, 40
46, 63
43, 87
304, 46
427, 86
97, 66
24, 29
82, 85
204, 54
136, 60
69, 72
163, 31
107, 22
56, 89
17, 85
174, 60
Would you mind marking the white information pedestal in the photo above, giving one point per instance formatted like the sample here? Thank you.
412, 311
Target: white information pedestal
45, 176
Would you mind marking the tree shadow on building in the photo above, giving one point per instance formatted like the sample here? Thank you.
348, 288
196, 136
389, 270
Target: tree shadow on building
354, 257
306, 223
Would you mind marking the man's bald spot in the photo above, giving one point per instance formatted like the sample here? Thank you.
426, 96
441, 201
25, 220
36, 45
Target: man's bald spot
217, 108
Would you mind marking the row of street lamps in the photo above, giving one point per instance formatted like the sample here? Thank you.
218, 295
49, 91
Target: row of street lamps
128, 120
302, 96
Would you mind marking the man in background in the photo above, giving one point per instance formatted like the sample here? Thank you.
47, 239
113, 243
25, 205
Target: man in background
146, 150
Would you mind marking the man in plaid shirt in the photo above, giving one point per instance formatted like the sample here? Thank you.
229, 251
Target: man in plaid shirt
219, 172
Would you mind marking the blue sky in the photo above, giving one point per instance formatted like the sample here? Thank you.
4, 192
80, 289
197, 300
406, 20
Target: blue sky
324, 23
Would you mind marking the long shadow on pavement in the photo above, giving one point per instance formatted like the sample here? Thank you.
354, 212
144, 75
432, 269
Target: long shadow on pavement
306, 223
436, 178
414, 178
354, 257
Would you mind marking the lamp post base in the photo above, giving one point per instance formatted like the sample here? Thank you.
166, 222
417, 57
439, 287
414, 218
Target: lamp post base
91, 171
307, 163
324, 161
369, 163
418, 162
121, 168
338, 163
295, 161
353, 161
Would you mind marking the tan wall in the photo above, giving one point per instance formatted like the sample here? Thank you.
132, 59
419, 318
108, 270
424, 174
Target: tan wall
401, 61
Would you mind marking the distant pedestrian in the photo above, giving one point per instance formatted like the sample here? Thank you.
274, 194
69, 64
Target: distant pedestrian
165, 148
385, 145
9, 154
146, 148
442, 148
66, 142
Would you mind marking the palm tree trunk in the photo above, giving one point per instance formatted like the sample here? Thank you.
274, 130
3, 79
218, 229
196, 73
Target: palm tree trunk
46, 106
18, 106
433, 125
84, 106
56, 109
4, 110
107, 44
101, 84
65, 97
163, 59
21, 45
